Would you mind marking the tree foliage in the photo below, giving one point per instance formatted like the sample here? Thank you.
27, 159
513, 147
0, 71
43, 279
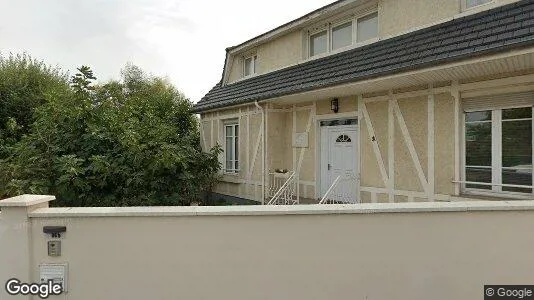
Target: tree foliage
25, 84
124, 143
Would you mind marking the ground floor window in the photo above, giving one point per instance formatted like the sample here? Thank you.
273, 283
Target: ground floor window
498, 150
231, 131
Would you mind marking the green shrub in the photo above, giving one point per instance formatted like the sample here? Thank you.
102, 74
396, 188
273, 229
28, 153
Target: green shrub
124, 143
25, 84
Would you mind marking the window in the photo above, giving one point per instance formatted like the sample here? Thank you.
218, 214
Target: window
367, 27
498, 150
231, 131
339, 122
343, 139
343, 34
473, 3
249, 66
318, 43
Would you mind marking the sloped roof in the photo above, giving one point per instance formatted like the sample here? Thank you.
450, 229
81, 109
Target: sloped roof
500, 29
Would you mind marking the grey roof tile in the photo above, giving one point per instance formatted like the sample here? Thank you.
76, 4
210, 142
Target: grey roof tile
500, 29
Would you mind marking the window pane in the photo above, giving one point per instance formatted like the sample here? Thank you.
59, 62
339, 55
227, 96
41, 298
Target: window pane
368, 27
472, 3
342, 36
229, 131
229, 148
518, 177
255, 65
318, 43
478, 116
248, 66
517, 113
236, 148
517, 144
478, 175
478, 144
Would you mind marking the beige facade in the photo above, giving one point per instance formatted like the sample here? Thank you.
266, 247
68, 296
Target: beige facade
379, 251
422, 140
410, 126
289, 46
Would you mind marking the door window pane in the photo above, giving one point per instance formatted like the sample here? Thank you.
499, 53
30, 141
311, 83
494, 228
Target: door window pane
478, 144
342, 36
367, 27
318, 43
517, 144
478, 116
478, 175
517, 177
517, 113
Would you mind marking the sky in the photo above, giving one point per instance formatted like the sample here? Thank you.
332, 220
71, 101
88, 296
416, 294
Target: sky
183, 40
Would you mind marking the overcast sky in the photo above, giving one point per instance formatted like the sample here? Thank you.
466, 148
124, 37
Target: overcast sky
181, 39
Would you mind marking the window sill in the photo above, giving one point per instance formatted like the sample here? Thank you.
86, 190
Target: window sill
343, 49
230, 178
489, 196
478, 8
243, 78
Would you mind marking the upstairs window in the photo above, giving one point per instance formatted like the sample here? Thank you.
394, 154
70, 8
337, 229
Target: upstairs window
367, 27
231, 149
473, 3
318, 43
249, 65
343, 34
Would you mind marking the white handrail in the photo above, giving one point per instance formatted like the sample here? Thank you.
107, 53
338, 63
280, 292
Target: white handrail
283, 190
325, 197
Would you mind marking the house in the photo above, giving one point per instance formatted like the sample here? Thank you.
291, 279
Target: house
365, 101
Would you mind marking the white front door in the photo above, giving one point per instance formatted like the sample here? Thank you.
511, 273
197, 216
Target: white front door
340, 158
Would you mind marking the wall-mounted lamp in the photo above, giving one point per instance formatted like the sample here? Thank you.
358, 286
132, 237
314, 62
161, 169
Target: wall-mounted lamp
334, 105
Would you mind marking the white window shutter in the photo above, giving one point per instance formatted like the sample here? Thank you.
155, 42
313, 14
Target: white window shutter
500, 101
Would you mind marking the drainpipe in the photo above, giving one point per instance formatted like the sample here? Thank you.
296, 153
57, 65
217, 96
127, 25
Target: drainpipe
263, 152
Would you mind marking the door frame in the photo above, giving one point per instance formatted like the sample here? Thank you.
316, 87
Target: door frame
318, 147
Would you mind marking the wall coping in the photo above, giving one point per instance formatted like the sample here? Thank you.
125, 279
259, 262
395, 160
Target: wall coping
26, 200
255, 210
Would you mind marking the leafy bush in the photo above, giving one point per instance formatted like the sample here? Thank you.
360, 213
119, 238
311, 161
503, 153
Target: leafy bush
24, 85
125, 143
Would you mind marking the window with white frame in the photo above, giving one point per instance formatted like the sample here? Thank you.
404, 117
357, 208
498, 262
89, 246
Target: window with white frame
343, 34
367, 27
250, 65
231, 132
473, 3
318, 42
498, 150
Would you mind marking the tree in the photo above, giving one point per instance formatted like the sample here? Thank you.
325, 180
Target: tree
25, 84
124, 143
